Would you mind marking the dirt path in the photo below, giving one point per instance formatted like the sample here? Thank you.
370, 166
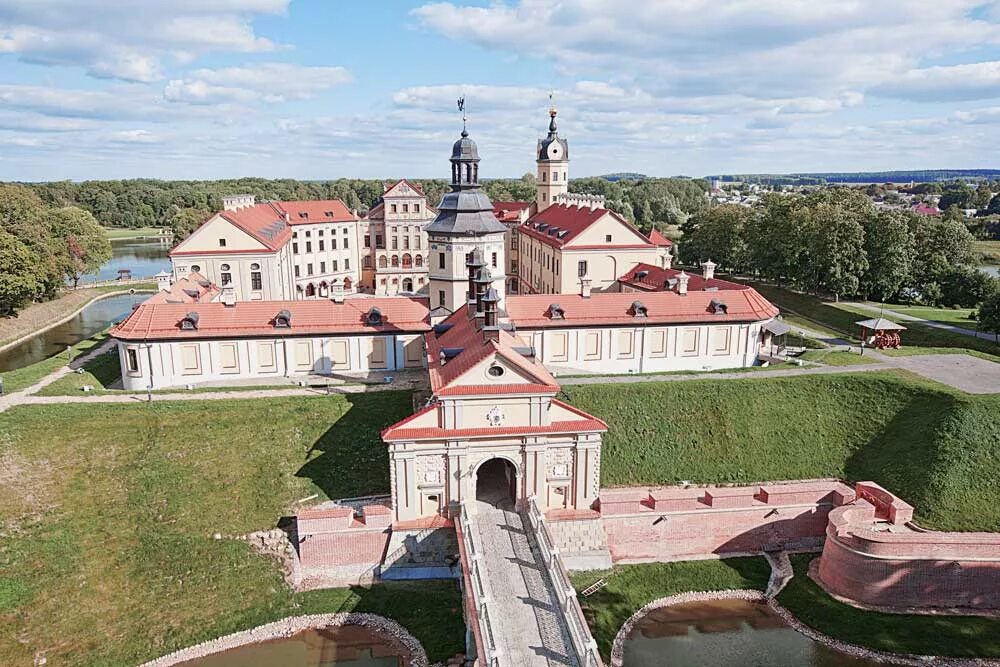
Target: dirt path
929, 323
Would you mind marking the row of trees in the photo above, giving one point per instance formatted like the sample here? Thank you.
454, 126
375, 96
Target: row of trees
42, 247
835, 241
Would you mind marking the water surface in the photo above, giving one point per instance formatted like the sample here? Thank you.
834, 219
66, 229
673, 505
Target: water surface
349, 645
143, 258
93, 319
724, 633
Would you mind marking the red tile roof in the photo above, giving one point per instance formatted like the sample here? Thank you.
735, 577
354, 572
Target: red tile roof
586, 423
327, 210
465, 336
159, 321
510, 211
614, 308
658, 239
559, 224
194, 288
655, 280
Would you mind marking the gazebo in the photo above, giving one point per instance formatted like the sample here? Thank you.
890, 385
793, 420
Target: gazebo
774, 334
124, 274
883, 333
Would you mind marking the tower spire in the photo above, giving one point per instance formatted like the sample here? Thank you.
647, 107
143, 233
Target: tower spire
465, 116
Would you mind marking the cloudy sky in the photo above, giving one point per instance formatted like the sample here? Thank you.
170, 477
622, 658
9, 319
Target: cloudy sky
323, 88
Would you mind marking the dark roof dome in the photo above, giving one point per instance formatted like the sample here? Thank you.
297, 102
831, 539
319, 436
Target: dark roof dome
465, 148
562, 151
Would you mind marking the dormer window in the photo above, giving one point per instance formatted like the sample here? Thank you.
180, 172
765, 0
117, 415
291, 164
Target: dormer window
718, 307
638, 309
303, 215
190, 321
283, 320
374, 317
556, 312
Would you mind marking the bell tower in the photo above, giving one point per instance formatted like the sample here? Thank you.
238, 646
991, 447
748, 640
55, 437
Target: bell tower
465, 228
552, 178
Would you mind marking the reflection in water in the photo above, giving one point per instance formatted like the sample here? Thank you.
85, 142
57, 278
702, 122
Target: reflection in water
992, 270
350, 645
724, 633
142, 258
95, 318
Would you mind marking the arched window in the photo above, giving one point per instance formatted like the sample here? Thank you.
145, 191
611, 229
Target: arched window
324, 289
407, 261
310, 291
256, 280
348, 283
407, 285
382, 262
225, 275
419, 260
395, 261
195, 268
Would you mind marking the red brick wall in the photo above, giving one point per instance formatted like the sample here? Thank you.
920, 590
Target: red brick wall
348, 547
678, 524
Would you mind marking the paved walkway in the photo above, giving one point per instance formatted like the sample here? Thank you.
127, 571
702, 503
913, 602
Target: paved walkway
524, 612
930, 323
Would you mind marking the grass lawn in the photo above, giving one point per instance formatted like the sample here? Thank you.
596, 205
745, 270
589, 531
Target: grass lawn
631, 587
107, 514
25, 377
935, 447
989, 251
957, 316
827, 316
834, 357
916, 351
959, 636
117, 233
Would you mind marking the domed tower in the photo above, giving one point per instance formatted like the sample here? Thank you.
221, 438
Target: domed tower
552, 178
465, 223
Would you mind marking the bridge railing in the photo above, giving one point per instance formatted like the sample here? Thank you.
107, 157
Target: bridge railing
478, 603
579, 632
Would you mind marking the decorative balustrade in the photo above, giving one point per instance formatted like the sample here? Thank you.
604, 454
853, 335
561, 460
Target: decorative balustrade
579, 632
479, 613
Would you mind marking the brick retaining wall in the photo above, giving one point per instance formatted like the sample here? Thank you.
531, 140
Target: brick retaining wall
873, 556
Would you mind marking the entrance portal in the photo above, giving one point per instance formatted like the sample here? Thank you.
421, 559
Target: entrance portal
496, 483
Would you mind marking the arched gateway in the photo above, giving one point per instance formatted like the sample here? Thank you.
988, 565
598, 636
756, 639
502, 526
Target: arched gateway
496, 482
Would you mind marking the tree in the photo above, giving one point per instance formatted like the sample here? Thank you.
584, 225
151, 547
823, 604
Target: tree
941, 245
719, 234
836, 250
961, 196
966, 287
18, 283
994, 206
890, 249
185, 221
982, 196
81, 244
776, 239
989, 315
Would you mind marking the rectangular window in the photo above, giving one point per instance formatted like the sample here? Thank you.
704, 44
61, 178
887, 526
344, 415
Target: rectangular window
255, 281
441, 296
393, 208
308, 234
441, 261
416, 242
296, 271
416, 208
379, 242
347, 264
334, 265
322, 245
309, 246
607, 238
406, 243
493, 260
319, 233
227, 278
406, 208
581, 269
222, 243
395, 243
368, 240
346, 244
545, 175
309, 269
333, 244
295, 248
322, 267
132, 360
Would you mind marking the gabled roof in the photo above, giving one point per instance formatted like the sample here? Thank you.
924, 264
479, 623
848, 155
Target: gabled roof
650, 278
658, 239
156, 320
464, 336
559, 224
615, 308
510, 211
415, 187
316, 211
193, 288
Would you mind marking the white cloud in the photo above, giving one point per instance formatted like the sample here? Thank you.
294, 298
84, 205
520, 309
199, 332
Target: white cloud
128, 39
265, 82
972, 81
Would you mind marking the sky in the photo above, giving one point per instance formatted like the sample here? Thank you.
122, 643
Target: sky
318, 89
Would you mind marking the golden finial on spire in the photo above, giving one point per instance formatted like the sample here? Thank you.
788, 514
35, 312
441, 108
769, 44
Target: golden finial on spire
552, 105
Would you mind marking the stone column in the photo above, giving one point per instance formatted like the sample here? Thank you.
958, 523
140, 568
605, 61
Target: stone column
586, 468
405, 491
534, 468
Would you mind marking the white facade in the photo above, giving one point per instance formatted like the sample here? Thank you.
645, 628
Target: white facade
448, 273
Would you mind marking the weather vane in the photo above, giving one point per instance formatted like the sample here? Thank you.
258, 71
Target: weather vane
461, 107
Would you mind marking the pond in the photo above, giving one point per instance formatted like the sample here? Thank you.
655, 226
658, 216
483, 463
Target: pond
351, 645
724, 633
142, 258
93, 319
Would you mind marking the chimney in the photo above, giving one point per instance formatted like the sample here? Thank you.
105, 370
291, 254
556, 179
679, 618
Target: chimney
228, 296
162, 281
585, 287
473, 265
668, 259
482, 283
491, 325
682, 283
708, 269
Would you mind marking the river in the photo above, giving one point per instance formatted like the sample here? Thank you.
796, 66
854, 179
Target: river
142, 258
724, 633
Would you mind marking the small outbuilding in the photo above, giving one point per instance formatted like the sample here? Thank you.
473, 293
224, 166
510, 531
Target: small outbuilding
880, 333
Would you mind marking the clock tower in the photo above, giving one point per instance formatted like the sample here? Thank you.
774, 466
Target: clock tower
552, 178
